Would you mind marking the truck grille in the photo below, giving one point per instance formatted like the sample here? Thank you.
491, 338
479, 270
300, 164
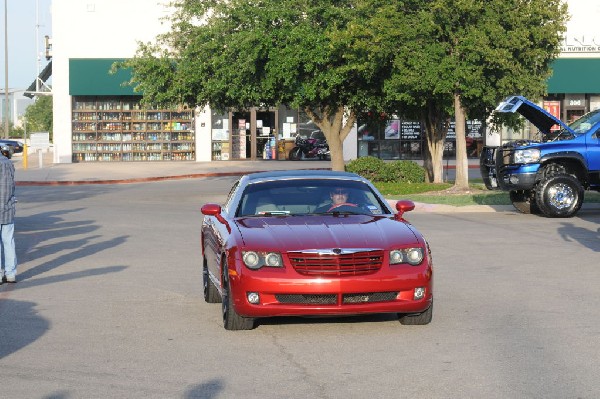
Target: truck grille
332, 265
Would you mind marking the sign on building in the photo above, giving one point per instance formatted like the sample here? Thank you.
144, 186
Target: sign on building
39, 140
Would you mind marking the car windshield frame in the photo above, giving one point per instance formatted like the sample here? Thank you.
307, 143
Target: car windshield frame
307, 196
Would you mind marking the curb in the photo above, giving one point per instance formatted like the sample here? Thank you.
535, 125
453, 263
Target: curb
128, 181
142, 179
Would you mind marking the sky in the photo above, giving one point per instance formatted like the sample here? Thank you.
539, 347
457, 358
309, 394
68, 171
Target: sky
22, 40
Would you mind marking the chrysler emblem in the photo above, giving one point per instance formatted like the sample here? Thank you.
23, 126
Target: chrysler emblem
337, 251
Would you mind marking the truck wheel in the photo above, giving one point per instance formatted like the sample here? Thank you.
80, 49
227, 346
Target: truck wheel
524, 201
559, 196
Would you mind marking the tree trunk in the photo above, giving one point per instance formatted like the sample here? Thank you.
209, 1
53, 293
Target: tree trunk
436, 124
335, 123
462, 164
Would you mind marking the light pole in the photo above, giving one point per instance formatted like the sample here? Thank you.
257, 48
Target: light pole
6, 108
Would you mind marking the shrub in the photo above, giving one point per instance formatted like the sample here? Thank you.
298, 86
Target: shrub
367, 167
377, 170
405, 171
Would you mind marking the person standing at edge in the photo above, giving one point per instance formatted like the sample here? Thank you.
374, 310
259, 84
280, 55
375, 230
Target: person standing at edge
8, 269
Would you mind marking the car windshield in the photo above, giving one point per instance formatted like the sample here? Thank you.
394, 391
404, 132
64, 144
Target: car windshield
309, 197
585, 123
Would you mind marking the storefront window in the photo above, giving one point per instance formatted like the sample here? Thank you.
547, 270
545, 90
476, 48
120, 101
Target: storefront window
220, 136
396, 138
388, 138
288, 122
306, 127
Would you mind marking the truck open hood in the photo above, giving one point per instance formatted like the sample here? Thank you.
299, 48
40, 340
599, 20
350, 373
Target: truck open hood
540, 118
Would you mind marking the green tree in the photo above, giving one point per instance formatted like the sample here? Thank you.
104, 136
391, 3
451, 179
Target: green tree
427, 59
460, 57
240, 53
39, 115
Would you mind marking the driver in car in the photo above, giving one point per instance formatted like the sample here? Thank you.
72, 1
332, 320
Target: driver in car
339, 199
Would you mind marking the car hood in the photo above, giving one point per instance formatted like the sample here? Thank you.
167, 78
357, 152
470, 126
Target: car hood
539, 117
294, 233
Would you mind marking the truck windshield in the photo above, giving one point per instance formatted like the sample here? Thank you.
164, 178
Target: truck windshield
585, 123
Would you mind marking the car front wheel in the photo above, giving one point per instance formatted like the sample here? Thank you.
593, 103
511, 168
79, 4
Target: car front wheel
559, 195
418, 319
232, 320
210, 291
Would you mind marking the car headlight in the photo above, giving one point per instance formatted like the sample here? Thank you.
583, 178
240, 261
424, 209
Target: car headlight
255, 260
529, 155
412, 256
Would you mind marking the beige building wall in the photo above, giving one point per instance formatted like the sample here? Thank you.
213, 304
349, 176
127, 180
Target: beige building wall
94, 29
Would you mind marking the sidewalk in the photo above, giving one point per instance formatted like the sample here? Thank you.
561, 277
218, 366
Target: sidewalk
135, 172
45, 172
51, 174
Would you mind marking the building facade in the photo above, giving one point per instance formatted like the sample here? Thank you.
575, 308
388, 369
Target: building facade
96, 118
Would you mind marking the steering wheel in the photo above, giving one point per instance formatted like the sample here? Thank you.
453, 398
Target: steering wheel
344, 207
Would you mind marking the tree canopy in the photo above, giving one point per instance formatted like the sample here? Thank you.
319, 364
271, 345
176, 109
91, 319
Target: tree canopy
457, 57
39, 115
426, 59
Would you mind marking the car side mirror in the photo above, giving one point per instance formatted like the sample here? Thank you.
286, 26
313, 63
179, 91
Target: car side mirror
403, 206
215, 210
211, 209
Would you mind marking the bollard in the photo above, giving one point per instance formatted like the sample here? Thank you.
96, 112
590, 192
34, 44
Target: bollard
24, 156
40, 159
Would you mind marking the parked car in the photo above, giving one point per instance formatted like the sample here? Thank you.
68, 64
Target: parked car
16, 145
305, 243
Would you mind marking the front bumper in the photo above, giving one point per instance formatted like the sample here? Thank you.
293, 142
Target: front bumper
516, 178
288, 294
498, 174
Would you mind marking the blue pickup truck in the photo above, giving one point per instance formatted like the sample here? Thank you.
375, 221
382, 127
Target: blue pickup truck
547, 176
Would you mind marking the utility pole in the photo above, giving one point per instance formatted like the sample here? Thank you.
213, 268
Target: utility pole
6, 99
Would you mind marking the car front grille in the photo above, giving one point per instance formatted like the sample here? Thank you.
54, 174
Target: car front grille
332, 299
326, 299
369, 297
332, 265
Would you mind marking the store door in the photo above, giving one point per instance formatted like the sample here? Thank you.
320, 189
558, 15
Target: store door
265, 135
240, 136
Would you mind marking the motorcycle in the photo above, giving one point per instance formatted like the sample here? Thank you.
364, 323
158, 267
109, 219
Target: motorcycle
306, 148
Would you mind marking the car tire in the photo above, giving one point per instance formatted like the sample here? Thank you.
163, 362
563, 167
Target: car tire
418, 319
524, 202
211, 295
231, 319
559, 195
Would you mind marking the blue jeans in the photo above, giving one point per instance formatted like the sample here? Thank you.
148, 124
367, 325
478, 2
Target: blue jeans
7, 231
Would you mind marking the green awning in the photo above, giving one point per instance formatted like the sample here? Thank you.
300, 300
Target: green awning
575, 76
91, 77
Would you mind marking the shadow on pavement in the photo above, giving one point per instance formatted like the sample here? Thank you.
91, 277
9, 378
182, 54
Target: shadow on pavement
20, 325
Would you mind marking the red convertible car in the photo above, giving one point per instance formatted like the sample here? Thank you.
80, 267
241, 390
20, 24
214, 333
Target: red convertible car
306, 243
